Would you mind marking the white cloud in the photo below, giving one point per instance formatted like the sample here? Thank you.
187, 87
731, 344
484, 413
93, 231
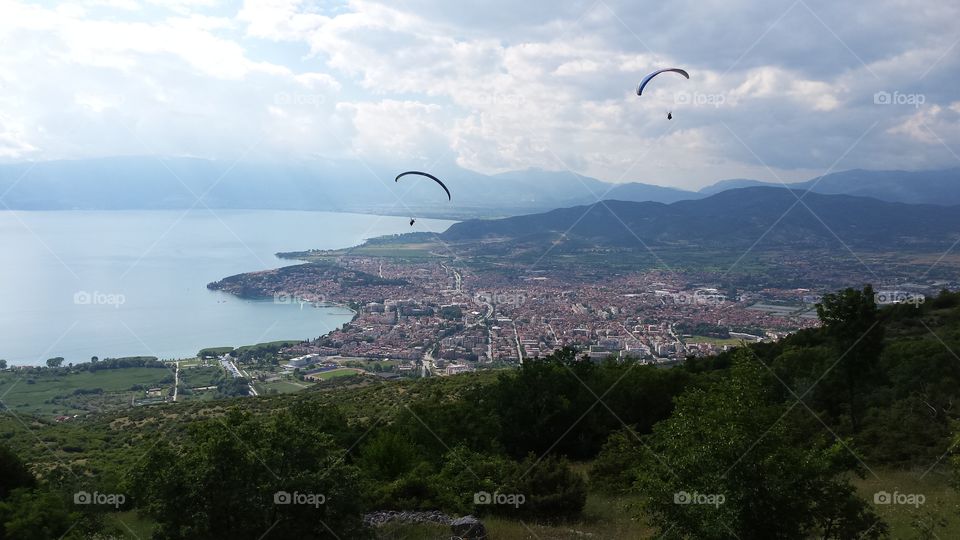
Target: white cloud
495, 86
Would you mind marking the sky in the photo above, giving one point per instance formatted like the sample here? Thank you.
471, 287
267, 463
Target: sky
779, 90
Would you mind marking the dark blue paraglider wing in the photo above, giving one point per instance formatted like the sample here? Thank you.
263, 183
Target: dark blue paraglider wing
649, 77
428, 175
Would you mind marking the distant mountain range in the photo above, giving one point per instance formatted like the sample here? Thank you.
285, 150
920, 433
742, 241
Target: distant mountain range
940, 187
734, 218
131, 183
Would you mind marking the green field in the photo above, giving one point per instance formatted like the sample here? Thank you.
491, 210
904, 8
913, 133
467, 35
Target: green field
713, 341
282, 386
55, 393
195, 377
342, 372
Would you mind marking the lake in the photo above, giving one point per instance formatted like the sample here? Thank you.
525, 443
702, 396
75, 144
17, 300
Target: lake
77, 284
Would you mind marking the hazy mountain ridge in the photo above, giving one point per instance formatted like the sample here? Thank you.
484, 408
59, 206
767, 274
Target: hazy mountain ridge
732, 218
146, 183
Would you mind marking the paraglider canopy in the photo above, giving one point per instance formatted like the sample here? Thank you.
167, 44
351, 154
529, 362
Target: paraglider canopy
428, 175
647, 79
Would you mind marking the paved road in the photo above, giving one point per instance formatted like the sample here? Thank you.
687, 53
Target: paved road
176, 380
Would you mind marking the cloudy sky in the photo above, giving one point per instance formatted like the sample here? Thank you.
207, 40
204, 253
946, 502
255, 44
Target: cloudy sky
778, 89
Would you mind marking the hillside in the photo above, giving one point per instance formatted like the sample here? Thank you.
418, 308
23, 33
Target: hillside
941, 187
432, 444
731, 219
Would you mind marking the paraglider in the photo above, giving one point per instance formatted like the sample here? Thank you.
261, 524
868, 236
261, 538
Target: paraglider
669, 116
428, 175
649, 77
412, 221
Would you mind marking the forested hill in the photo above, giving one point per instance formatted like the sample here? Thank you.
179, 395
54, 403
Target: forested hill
731, 219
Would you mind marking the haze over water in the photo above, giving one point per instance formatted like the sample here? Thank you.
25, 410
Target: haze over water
79, 284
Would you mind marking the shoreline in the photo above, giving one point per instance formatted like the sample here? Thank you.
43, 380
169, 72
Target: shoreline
13, 364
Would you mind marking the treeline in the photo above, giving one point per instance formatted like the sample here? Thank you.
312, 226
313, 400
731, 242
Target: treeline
54, 365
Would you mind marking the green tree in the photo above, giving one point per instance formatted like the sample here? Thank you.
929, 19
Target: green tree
850, 321
731, 461
233, 478
40, 515
13, 473
3, 364
534, 489
569, 405
54, 362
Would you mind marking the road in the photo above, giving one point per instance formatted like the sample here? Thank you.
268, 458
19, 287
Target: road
176, 380
428, 368
232, 369
516, 336
456, 276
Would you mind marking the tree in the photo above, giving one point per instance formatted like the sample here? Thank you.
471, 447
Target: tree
731, 461
54, 362
240, 477
13, 473
533, 489
41, 515
3, 364
850, 320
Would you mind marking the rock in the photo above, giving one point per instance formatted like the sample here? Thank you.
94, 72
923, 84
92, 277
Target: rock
468, 528
376, 519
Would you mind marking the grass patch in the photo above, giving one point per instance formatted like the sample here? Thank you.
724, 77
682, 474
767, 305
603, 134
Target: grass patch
941, 500
713, 341
197, 377
281, 387
334, 373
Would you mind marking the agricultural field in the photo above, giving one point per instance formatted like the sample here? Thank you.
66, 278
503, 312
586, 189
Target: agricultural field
53, 393
200, 376
333, 373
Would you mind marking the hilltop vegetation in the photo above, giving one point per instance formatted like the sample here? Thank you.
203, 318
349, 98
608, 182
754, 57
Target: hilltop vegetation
792, 439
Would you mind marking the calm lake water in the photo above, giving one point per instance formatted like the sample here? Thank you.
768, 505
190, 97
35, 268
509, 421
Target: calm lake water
79, 284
